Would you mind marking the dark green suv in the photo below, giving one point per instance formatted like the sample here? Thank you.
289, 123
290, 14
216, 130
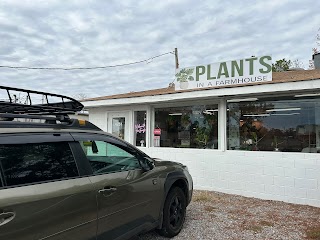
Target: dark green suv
66, 179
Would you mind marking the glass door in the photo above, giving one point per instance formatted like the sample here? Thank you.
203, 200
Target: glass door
118, 125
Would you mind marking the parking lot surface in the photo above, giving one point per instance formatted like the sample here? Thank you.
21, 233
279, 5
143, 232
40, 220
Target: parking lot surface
213, 215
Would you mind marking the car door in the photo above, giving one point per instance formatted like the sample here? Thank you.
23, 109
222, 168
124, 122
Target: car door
129, 198
43, 195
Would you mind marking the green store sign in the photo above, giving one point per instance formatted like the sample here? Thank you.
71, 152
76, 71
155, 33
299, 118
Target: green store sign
242, 71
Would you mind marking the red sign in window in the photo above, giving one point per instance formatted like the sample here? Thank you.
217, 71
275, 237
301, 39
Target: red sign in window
157, 131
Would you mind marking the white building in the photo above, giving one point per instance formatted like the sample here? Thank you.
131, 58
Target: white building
257, 140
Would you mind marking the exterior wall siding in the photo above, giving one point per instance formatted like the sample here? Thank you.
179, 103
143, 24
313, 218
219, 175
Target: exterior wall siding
289, 177
98, 117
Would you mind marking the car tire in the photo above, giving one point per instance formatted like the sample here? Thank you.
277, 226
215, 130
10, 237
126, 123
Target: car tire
174, 213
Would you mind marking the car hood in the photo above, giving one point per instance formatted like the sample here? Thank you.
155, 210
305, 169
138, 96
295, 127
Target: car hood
160, 162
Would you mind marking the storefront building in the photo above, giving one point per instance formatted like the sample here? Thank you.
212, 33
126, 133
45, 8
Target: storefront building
256, 138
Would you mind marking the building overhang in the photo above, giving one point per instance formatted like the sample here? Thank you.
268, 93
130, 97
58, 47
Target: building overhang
307, 86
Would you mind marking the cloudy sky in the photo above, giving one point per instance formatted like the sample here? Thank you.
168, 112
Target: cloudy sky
59, 33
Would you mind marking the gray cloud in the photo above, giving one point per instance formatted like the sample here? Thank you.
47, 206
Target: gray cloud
95, 33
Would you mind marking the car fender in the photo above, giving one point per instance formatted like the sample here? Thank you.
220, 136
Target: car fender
171, 178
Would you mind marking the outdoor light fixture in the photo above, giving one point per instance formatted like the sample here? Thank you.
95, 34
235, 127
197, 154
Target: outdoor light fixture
283, 109
307, 95
175, 114
257, 115
243, 100
212, 110
284, 114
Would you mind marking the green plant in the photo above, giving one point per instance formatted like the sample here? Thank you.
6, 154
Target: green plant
281, 65
185, 75
202, 135
275, 143
185, 120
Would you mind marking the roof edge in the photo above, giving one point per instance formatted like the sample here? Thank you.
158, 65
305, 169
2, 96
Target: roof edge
278, 77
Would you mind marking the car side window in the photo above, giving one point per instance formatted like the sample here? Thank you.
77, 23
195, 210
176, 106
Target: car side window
36, 162
105, 157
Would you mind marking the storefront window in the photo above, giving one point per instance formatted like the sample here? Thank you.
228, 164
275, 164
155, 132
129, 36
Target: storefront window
187, 127
286, 125
140, 128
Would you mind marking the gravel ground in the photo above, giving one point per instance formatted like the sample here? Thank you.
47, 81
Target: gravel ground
213, 215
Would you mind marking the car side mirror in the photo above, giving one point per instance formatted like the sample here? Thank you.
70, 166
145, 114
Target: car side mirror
147, 164
94, 147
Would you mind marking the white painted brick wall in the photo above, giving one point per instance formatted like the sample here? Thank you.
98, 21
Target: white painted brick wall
99, 118
289, 177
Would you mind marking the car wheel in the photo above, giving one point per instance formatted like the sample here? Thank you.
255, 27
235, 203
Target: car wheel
174, 213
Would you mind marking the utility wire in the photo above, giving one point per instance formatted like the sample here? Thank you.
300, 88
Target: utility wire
85, 68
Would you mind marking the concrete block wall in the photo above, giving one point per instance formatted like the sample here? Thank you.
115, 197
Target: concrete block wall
289, 177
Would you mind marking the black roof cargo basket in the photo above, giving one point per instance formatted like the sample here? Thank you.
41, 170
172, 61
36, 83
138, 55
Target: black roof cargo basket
51, 109
16, 100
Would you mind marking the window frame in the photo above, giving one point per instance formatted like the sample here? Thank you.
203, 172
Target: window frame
139, 155
207, 101
34, 138
147, 133
266, 99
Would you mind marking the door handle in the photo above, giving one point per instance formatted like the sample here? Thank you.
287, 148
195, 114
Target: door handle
6, 217
107, 189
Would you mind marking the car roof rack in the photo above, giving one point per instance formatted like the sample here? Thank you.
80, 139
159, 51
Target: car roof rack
26, 104
17, 103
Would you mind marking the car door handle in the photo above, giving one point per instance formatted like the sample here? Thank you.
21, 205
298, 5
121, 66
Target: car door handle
6, 217
107, 189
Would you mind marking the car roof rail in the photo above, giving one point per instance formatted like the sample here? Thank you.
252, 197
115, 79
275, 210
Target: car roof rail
11, 117
58, 122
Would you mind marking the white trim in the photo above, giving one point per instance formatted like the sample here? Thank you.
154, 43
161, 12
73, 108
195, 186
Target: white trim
128, 123
137, 109
212, 93
152, 126
131, 129
187, 103
148, 127
222, 125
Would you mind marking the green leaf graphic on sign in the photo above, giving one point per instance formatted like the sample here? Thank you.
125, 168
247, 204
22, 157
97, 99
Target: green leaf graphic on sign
184, 75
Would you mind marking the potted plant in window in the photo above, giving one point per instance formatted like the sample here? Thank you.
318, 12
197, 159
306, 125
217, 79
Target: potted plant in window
202, 136
185, 121
275, 144
184, 76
